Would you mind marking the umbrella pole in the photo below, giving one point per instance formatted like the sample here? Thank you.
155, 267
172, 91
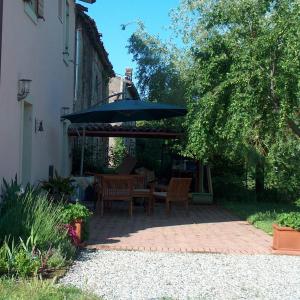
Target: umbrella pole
82, 152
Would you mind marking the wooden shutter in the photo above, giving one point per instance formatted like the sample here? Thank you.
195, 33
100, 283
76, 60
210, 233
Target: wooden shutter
40, 9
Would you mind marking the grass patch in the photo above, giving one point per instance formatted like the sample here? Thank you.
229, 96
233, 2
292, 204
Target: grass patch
11, 289
260, 214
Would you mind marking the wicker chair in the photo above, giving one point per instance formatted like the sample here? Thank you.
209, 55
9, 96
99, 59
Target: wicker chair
178, 191
116, 187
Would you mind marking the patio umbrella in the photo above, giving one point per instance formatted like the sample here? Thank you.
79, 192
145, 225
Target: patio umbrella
125, 111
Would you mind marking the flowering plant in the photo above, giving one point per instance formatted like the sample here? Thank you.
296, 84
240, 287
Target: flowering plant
72, 234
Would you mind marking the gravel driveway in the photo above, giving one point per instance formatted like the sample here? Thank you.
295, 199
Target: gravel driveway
152, 275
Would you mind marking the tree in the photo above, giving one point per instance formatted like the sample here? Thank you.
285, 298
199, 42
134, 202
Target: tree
158, 77
243, 79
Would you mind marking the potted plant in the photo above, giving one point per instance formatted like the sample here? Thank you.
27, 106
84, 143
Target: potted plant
286, 232
59, 188
76, 215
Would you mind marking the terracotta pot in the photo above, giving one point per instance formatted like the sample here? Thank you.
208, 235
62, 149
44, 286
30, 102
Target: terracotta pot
286, 239
79, 229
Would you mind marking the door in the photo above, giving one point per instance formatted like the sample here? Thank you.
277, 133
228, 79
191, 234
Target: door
27, 143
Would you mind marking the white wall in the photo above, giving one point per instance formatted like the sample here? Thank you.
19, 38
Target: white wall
34, 51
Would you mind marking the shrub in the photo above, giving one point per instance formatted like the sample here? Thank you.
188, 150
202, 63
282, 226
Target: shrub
291, 219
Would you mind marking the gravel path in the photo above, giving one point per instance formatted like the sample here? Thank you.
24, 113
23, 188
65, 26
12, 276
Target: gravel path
145, 275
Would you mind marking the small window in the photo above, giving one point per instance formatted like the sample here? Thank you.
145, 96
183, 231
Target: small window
66, 51
67, 26
60, 10
35, 9
33, 4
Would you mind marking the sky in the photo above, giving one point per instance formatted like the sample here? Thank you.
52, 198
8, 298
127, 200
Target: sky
110, 14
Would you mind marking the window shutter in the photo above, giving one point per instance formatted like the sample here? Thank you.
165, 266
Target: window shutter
40, 9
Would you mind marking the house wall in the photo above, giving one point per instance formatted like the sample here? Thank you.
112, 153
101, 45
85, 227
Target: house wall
34, 50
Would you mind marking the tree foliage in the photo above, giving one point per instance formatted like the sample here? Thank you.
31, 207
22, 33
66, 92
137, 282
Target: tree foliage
243, 82
240, 75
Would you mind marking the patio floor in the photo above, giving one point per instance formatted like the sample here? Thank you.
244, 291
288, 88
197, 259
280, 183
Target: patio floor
209, 229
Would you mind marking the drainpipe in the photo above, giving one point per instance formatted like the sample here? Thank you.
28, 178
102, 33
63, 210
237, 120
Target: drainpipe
1, 23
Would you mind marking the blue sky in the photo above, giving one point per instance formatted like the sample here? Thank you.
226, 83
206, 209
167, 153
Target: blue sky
110, 14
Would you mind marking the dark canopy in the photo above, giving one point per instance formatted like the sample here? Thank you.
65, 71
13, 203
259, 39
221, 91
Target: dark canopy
126, 111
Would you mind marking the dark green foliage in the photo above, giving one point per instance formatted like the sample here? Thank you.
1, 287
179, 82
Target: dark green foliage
59, 187
118, 152
94, 157
291, 219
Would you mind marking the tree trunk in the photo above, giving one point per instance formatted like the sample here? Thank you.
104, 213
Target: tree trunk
259, 180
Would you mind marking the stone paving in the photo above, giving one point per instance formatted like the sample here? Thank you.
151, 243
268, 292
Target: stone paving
206, 229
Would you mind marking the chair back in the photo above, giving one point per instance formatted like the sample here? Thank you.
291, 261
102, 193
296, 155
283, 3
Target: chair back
139, 181
127, 165
117, 187
178, 189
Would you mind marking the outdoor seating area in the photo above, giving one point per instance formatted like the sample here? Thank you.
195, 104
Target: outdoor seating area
112, 188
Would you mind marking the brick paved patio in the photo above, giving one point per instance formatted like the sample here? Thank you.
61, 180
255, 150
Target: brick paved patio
206, 229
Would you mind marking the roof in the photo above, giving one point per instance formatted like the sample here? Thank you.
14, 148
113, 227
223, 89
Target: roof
95, 37
107, 130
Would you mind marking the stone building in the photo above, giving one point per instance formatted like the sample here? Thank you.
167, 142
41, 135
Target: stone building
92, 74
123, 88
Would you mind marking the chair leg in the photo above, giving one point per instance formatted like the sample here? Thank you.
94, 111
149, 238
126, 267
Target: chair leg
130, 208
167, 208
102, 208
149, 200
152, 204
187, 206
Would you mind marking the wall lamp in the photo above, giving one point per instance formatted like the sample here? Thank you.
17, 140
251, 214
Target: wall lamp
23, 88
38, 126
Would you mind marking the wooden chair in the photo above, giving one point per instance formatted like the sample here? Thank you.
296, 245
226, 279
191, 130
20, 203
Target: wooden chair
140, 190
116, 187
178, 191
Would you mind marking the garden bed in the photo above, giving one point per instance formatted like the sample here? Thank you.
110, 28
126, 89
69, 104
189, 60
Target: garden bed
262, 215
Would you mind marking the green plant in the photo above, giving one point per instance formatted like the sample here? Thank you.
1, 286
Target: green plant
291, 219
73, 212
58, 187
26, 264
118, 152
34, 216
57, 259
12, 289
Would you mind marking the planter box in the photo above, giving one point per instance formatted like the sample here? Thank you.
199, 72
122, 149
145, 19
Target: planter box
79, 229
286, 239
202, 198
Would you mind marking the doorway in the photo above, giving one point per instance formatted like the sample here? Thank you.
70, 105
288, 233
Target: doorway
27, 143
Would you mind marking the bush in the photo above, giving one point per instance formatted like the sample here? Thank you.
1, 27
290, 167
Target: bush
31, 233
291, 219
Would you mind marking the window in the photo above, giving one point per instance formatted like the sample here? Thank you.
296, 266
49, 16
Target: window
67, 30
33, 4
60, 10
34, 9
